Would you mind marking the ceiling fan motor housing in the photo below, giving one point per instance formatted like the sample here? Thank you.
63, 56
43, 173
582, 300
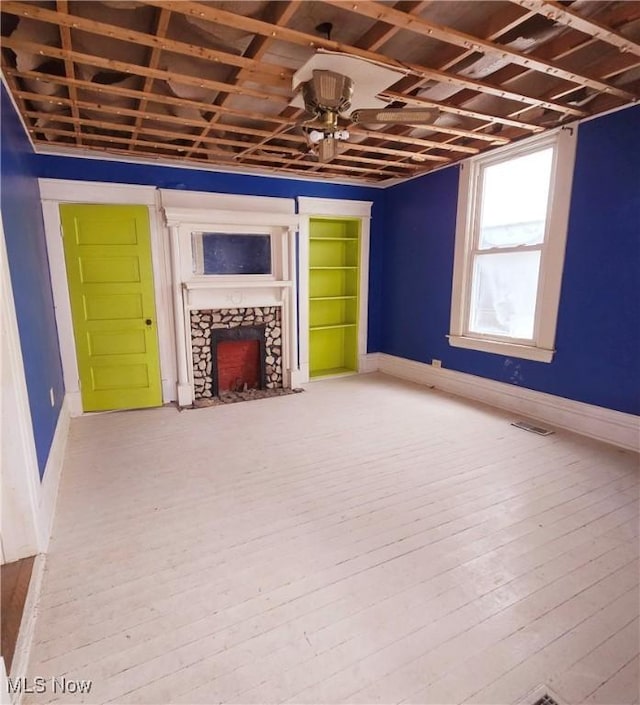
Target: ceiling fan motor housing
327, 91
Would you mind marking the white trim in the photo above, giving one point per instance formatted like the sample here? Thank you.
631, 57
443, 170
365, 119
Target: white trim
199, 203
56, 191
100, 156
606, 425
18, 460
51, 479
337, 208
526, 352
370, 362
340, 207
541, 349
69, 191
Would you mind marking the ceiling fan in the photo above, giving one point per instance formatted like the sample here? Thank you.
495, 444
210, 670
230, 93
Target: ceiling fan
328, 98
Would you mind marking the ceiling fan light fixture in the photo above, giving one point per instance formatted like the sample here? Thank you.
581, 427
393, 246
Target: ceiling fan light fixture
327, 149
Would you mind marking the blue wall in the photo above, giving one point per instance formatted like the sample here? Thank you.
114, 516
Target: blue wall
218, 182
29, 267
598, 335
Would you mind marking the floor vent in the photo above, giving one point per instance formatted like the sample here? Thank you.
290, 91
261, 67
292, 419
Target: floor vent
542, 695
526, 426
545, 700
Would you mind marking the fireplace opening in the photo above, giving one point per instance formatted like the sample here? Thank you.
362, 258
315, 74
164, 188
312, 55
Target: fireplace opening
238, 365
238, 359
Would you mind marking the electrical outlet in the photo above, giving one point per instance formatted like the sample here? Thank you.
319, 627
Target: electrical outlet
436, 363
52, 396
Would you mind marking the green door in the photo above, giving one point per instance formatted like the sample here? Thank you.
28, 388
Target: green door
108, 256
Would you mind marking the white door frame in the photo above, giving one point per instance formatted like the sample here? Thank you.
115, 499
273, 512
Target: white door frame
336, 208
19, 477
56, 191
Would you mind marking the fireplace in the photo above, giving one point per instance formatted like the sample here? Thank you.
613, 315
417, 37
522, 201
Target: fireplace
236, 346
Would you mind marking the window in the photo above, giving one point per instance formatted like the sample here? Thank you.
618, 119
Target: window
510, 240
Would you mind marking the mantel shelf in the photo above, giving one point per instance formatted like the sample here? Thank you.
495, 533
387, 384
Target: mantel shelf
239, 284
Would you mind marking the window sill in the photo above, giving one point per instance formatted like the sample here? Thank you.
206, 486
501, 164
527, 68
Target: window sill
526, 352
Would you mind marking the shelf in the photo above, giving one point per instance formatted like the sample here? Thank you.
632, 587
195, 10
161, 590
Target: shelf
335, 239
334, 325
332, 372
334, 251
331, 298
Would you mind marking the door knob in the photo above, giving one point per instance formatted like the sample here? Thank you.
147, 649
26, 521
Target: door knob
148, 322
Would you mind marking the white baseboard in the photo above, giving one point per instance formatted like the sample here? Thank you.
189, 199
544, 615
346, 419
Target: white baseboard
369, 363
607, 425
51, 478
22, 651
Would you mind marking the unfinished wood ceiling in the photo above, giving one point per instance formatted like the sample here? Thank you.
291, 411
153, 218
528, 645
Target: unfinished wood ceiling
210, 83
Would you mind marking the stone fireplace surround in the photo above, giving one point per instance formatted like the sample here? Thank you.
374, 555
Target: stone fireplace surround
203, 321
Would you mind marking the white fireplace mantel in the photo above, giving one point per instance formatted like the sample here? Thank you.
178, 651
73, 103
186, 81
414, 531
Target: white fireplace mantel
189, 212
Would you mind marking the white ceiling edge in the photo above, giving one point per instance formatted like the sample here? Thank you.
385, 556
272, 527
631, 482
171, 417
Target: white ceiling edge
215, 168
388, 183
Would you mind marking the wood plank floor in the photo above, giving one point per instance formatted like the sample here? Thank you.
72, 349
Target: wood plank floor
368, 541
14, 585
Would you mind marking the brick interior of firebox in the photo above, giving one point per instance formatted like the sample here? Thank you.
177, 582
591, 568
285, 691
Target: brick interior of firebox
238, 363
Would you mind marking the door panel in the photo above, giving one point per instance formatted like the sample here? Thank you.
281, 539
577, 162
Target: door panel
108, 257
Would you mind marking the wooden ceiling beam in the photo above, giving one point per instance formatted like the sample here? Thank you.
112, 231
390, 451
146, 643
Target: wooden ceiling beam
249, 24
119, 127
381, 32
500, 24
114, 127
269, 74
111, 110
65, 39
380, 11
113, 90
557, 47
161, 26
282, 13
561, 14
137, 70
179, 102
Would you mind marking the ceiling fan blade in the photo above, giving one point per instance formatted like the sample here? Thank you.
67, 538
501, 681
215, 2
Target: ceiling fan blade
395, 116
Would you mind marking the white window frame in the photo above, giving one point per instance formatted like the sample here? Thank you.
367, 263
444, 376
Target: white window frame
541, 346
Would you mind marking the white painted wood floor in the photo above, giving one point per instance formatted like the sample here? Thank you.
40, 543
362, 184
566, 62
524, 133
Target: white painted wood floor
366, 541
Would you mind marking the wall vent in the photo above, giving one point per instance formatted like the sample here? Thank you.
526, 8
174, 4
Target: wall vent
526, 426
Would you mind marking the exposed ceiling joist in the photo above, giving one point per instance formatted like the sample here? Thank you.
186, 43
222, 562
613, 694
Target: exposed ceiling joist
211, 83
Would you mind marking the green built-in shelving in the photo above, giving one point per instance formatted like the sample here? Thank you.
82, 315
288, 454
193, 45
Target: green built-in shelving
334, 288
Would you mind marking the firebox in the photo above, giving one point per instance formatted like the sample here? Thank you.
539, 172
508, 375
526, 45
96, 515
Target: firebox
238, 356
